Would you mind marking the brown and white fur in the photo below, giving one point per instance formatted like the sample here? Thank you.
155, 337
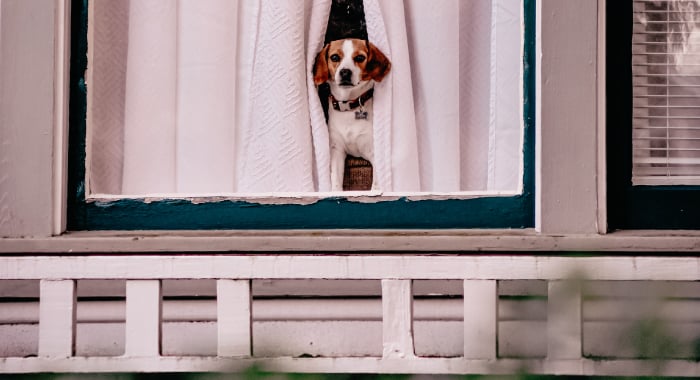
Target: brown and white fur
351, 67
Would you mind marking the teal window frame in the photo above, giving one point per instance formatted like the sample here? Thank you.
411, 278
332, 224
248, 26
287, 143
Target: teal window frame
489, 212
635, 207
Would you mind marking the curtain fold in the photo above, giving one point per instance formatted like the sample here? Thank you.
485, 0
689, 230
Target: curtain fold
217, 97
436, 91
229, 115
276, 146
150, 121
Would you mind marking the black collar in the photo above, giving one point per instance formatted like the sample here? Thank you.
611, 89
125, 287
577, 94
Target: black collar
349, 105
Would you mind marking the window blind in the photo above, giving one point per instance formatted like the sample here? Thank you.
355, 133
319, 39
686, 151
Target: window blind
666, 92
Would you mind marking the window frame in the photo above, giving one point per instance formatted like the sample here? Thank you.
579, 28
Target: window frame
326, 213
570, 200
640, 206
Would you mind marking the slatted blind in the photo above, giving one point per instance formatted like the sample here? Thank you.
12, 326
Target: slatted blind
666, 92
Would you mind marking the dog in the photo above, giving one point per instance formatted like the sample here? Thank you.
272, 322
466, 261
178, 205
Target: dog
351, 67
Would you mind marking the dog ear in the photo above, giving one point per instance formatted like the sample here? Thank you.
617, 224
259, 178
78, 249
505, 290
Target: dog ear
378, 65
320, 71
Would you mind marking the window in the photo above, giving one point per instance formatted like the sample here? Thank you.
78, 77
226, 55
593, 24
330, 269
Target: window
102, 201
653, 108
665, 93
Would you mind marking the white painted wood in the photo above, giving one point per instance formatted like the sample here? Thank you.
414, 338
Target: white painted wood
57, 318
339, 309
480, 319
330, 338
19, 340
27, 76
564, 320
602, 188
564, 311
517, 338
522, 339
397, 321
143, 318
234, 318
567, 158
612, 339
318, 338
360, 288
60, 109
395, 241
369, 267
100, 339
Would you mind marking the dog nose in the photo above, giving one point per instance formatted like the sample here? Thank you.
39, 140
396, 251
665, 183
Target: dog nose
346, 75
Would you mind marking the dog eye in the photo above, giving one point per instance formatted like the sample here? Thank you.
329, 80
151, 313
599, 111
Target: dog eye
335, 58
360, 58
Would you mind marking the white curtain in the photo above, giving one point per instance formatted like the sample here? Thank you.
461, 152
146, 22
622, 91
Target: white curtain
214, 96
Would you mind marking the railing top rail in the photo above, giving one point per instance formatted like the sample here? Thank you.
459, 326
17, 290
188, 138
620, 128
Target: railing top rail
369, 267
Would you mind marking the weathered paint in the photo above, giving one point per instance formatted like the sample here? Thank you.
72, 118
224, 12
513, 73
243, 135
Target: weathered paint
326, 214
330, 213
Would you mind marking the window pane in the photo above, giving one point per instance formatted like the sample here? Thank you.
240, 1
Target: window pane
190, 97
666, 92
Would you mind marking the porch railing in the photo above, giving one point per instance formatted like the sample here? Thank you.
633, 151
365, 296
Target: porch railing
234, 324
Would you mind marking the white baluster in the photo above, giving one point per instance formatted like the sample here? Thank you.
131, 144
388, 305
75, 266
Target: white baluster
143, 318
57, 318
397, 306
234, 320
480, 319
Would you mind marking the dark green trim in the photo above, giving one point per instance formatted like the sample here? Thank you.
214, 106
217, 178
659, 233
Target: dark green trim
333, 213
635, 207
77, 208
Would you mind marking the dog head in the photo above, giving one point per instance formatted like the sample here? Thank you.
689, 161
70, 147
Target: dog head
349, 63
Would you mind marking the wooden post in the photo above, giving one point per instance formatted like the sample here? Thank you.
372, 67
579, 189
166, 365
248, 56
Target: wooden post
480, 319
567, 146
234, 320
28, 74
564, 320
57, 318
143, 318
397, 319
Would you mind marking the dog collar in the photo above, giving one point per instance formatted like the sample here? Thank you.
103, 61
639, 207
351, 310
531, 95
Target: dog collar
349, 105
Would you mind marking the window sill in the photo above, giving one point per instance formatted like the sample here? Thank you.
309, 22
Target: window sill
352, 241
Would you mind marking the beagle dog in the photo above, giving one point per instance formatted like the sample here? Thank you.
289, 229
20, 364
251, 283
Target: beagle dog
351, 67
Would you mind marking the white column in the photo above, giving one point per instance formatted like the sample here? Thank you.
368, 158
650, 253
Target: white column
234, 321
57, 318
480, 319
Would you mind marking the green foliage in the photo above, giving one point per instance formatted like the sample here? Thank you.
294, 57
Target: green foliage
652, 340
